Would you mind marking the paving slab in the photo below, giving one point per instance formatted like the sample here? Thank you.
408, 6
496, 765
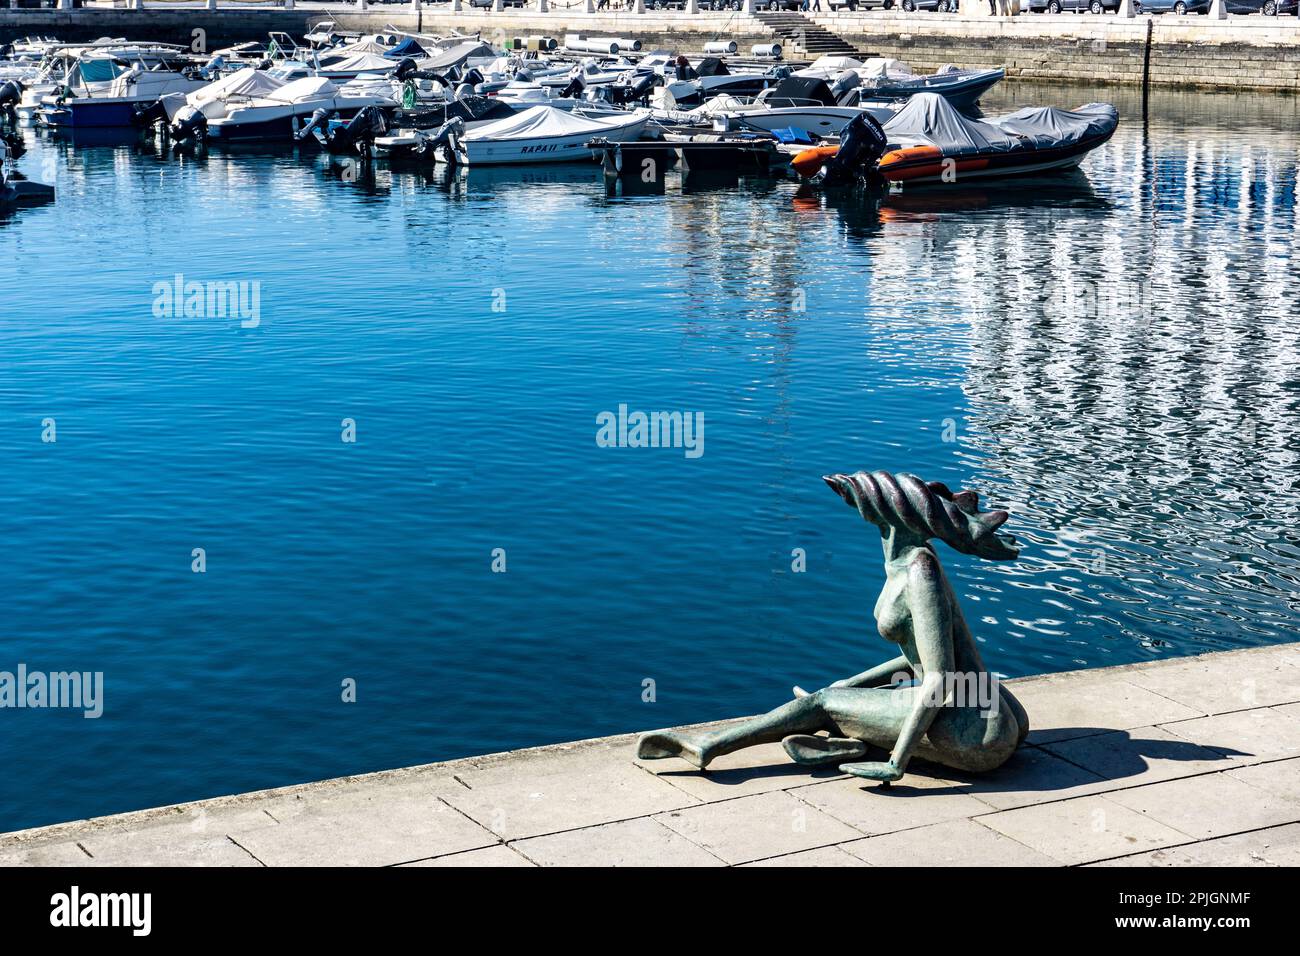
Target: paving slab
1136, 757
1247, 734
1083, 703
823, 856
1033, 775
52, 854
1220, 683
490, 856
1281, 777
641, 842
757, 827
1209, 806
552, 791
1083, 830
376, 828
954, 843
1278, 846
914, 801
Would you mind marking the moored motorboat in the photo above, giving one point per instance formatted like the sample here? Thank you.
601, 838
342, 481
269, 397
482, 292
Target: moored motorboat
928, 141
543, 134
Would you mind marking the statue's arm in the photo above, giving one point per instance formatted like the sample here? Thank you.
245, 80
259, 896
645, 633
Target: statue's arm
932, 632
877, 676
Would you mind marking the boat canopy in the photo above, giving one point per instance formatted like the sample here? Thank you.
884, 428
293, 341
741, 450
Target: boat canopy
829, 62
245, 82
881, 67
930, 120
308, 88
803, 90
457, 55
1048, 126
540, 122
359, 63
408, 47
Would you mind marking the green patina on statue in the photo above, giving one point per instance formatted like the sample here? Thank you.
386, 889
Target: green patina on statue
936, 701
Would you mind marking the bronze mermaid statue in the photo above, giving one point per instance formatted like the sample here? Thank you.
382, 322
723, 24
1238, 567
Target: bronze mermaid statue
935, 701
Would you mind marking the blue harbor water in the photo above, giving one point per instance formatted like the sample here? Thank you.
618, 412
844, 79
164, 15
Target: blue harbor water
1112, 356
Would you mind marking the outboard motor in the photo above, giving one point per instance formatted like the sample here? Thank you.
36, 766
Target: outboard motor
862, 143
155, 113
444, 138
685, 71
11, 92
464, 90
574, 88
405, 69
315, 125
473, 77
640, 90
189, 123
358, 133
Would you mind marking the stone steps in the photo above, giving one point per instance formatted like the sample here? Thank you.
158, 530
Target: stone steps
800, 35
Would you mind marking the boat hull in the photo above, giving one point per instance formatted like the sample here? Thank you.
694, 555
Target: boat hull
90, 114
920, 166
549, 149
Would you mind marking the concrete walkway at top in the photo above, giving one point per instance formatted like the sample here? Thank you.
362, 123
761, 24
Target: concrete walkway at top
1186, 762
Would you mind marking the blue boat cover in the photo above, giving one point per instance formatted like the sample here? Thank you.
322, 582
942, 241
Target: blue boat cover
407, 47
792, 134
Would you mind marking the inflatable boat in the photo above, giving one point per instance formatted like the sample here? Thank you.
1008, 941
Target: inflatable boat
928, 141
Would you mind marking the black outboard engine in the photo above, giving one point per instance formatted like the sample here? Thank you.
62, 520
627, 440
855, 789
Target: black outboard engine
11, 91
862, 143
473, 77
405, 69
640, 90
358, 134
189, 123
574, 88
155, 113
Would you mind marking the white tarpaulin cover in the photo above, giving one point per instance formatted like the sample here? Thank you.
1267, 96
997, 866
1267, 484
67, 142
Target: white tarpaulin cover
879, 67
308, 88
930, 120
360, 63
543, 121
457, 55
245, 82
829, 63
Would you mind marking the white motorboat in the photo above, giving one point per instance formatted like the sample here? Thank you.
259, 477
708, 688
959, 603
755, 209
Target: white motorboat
127, 96
275, 113
543, 134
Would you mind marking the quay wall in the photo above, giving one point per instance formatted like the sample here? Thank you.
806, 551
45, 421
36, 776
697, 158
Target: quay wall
1245, 53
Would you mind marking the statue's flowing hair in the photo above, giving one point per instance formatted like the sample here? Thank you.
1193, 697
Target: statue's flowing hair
926, 509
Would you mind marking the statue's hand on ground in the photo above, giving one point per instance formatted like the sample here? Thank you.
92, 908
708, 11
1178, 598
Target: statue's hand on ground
873, 770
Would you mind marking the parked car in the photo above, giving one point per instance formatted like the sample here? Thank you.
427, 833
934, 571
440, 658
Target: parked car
1074, 6
488, 4
1270, 8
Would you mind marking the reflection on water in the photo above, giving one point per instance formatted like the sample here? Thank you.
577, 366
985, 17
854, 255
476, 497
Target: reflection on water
1110, 354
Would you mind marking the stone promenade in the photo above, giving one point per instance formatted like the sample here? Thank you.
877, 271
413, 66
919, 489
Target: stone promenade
1187, 762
